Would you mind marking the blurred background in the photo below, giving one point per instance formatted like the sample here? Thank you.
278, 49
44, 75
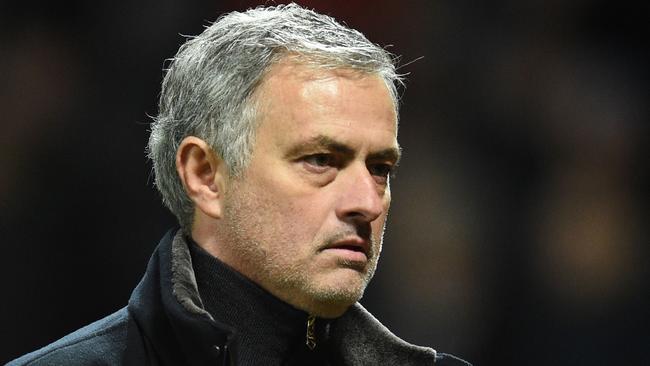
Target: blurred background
519, 227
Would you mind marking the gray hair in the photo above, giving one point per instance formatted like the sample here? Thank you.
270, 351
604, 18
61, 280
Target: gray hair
208, 89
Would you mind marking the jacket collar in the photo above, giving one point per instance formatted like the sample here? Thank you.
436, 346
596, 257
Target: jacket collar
167, 307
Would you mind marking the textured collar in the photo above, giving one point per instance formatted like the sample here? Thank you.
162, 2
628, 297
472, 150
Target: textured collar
357, 335
271, 331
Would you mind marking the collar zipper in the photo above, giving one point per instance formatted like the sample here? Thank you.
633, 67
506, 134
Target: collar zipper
311, 332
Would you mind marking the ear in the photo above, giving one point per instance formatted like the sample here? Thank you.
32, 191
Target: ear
204, 175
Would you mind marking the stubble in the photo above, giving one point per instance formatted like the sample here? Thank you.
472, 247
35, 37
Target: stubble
269, 251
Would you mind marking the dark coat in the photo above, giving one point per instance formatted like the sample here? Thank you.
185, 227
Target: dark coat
165, 324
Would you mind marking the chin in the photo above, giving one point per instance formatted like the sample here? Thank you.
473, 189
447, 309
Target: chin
332, 308
333, 300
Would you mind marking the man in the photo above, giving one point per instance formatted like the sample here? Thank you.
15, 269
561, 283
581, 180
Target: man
274, 144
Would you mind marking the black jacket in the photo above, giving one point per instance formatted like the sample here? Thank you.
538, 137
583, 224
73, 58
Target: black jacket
165, 324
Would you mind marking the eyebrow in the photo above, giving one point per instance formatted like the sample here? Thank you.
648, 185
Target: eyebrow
322, 141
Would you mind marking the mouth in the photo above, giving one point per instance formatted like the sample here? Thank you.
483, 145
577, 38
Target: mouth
350, 249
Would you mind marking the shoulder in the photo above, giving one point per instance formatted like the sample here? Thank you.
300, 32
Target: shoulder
101, 342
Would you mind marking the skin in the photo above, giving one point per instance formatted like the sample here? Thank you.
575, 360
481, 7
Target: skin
305, 220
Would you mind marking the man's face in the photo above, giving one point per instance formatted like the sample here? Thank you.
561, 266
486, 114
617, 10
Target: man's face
306, 219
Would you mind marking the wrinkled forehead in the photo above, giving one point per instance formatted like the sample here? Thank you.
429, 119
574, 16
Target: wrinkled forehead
302, 68
297, 104
288, 83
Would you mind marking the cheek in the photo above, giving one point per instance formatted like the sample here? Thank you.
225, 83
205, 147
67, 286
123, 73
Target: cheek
381, 220
298, 212
307, 216
293, 217
296, 202
378, 225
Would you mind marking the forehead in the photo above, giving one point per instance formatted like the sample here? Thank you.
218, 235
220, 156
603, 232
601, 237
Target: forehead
304, 96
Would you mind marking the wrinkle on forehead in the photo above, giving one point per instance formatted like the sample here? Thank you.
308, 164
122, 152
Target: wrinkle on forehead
311, 101
314, 78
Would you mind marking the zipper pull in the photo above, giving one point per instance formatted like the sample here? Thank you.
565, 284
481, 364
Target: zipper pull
311, 332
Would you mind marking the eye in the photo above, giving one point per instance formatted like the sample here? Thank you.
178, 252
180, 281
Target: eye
319, 163
319, 160
381, 172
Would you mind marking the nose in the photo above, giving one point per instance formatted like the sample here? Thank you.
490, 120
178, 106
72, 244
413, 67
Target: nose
361, 200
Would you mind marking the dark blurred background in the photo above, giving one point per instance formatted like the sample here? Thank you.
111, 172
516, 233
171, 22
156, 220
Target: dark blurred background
519, 227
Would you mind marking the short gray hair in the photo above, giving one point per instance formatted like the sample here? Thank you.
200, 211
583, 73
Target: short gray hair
208, 89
